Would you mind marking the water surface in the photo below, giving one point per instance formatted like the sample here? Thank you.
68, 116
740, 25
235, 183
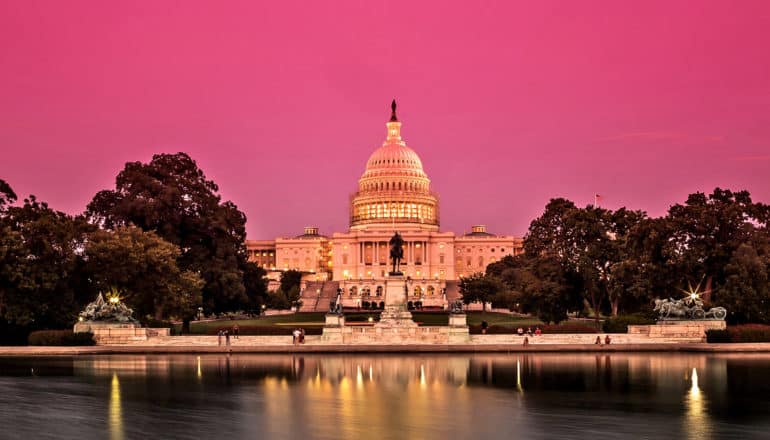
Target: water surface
534, 396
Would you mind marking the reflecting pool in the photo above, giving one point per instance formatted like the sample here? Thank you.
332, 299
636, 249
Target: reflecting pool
526, 396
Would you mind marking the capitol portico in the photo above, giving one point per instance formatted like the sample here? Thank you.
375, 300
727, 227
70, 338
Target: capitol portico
394, 194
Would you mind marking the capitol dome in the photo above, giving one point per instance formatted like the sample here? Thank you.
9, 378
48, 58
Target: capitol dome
394, 188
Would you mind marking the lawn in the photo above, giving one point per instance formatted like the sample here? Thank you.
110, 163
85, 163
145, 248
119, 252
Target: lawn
316, 319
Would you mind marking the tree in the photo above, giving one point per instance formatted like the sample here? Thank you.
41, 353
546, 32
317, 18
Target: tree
42, 284
706, 231
255, 284
479, 288
144, 268
290, 279
172, 197
746, 290
7, 196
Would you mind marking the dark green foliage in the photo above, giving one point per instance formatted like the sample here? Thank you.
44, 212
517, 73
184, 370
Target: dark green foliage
172, 197
479, 288
42, 279
277, 300
717, 336
255, 283
291, 279
60, 338
143, 267
619, 324
740, 333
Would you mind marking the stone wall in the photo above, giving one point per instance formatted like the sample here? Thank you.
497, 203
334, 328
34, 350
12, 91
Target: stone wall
677, 329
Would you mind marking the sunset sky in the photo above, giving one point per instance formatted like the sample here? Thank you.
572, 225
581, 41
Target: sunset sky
507, 103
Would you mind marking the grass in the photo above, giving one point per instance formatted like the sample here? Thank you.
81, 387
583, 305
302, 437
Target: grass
316, 319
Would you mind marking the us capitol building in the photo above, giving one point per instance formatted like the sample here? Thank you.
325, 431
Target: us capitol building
394, 194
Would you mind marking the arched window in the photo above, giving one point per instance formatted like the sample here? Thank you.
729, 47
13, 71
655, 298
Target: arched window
353, 291
379, 290
418, 291
431, 290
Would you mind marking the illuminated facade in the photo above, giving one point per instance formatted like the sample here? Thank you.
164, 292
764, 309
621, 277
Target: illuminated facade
394, 194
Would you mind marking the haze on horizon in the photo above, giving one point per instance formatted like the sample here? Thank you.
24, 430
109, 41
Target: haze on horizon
508, 104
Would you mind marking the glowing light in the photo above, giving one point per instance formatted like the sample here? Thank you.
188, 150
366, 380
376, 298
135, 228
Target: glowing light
370, 319
116, 410
200, 373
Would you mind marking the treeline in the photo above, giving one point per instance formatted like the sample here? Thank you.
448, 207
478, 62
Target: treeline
163, 237
581, 260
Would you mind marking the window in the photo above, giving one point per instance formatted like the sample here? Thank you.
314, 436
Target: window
468, 261
481, 261
344, 258
418, 291
441, 259
431, 290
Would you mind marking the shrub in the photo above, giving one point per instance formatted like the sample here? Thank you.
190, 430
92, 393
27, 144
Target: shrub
60, 338
740, 333
619, 324
715, 335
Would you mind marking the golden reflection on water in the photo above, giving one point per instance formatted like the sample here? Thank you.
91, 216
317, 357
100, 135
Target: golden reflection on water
697, 422
116, 410
394, 396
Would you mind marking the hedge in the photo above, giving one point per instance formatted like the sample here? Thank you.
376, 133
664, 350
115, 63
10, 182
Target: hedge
740, 333
619, 324
60, 338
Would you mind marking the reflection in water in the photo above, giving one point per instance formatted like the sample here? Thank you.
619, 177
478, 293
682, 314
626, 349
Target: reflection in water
697, 423
476, 396
116, 411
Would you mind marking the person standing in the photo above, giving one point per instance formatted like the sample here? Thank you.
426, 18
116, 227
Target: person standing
235, 331
219, 338
607, 340
227, 338
484, 327
295, 336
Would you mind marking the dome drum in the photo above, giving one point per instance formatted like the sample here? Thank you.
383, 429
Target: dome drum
394, 187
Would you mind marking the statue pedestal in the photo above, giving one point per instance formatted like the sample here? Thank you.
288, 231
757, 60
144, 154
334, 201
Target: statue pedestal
396, 313
678, 329
112, 333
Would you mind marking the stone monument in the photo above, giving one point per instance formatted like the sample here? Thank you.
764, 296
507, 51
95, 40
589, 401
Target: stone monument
396, 313
112, 322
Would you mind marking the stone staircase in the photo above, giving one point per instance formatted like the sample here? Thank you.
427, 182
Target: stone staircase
312, 301
310, 296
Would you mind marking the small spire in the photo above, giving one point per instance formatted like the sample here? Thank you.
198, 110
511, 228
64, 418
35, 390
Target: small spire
393, 117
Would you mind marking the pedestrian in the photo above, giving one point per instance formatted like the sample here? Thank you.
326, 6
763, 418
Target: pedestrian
598, 340
295, 336
526, 341
607, 340
529, 331
520, 331
538, 332
219, 338
235, 331
484, 327
302, 336
227, 338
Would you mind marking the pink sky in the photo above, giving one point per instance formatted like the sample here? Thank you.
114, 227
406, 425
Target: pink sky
507, 103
